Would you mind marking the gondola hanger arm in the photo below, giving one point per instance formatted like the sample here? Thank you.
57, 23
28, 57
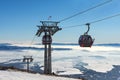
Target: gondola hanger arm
88, 25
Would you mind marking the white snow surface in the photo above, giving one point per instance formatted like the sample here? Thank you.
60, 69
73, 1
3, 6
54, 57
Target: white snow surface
12, 75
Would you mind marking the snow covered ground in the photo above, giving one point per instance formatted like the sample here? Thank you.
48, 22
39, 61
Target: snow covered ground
12, 75
99, 62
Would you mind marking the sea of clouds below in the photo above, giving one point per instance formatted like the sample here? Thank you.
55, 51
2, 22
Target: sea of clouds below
95, 62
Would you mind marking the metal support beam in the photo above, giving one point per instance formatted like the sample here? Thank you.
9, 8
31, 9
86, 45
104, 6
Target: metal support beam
27, 59
49, 59
27, 65
45, 60
49, 28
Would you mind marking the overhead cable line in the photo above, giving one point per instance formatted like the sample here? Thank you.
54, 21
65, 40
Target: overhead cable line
105, 18
32, 40
109, 17
101, 4
31, 43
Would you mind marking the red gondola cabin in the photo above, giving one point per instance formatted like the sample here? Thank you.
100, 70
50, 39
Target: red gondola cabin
85, 41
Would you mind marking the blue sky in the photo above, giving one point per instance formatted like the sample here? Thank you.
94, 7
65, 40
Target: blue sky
18, 19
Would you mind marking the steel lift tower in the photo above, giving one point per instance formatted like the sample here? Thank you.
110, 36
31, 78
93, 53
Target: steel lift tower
49, 28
